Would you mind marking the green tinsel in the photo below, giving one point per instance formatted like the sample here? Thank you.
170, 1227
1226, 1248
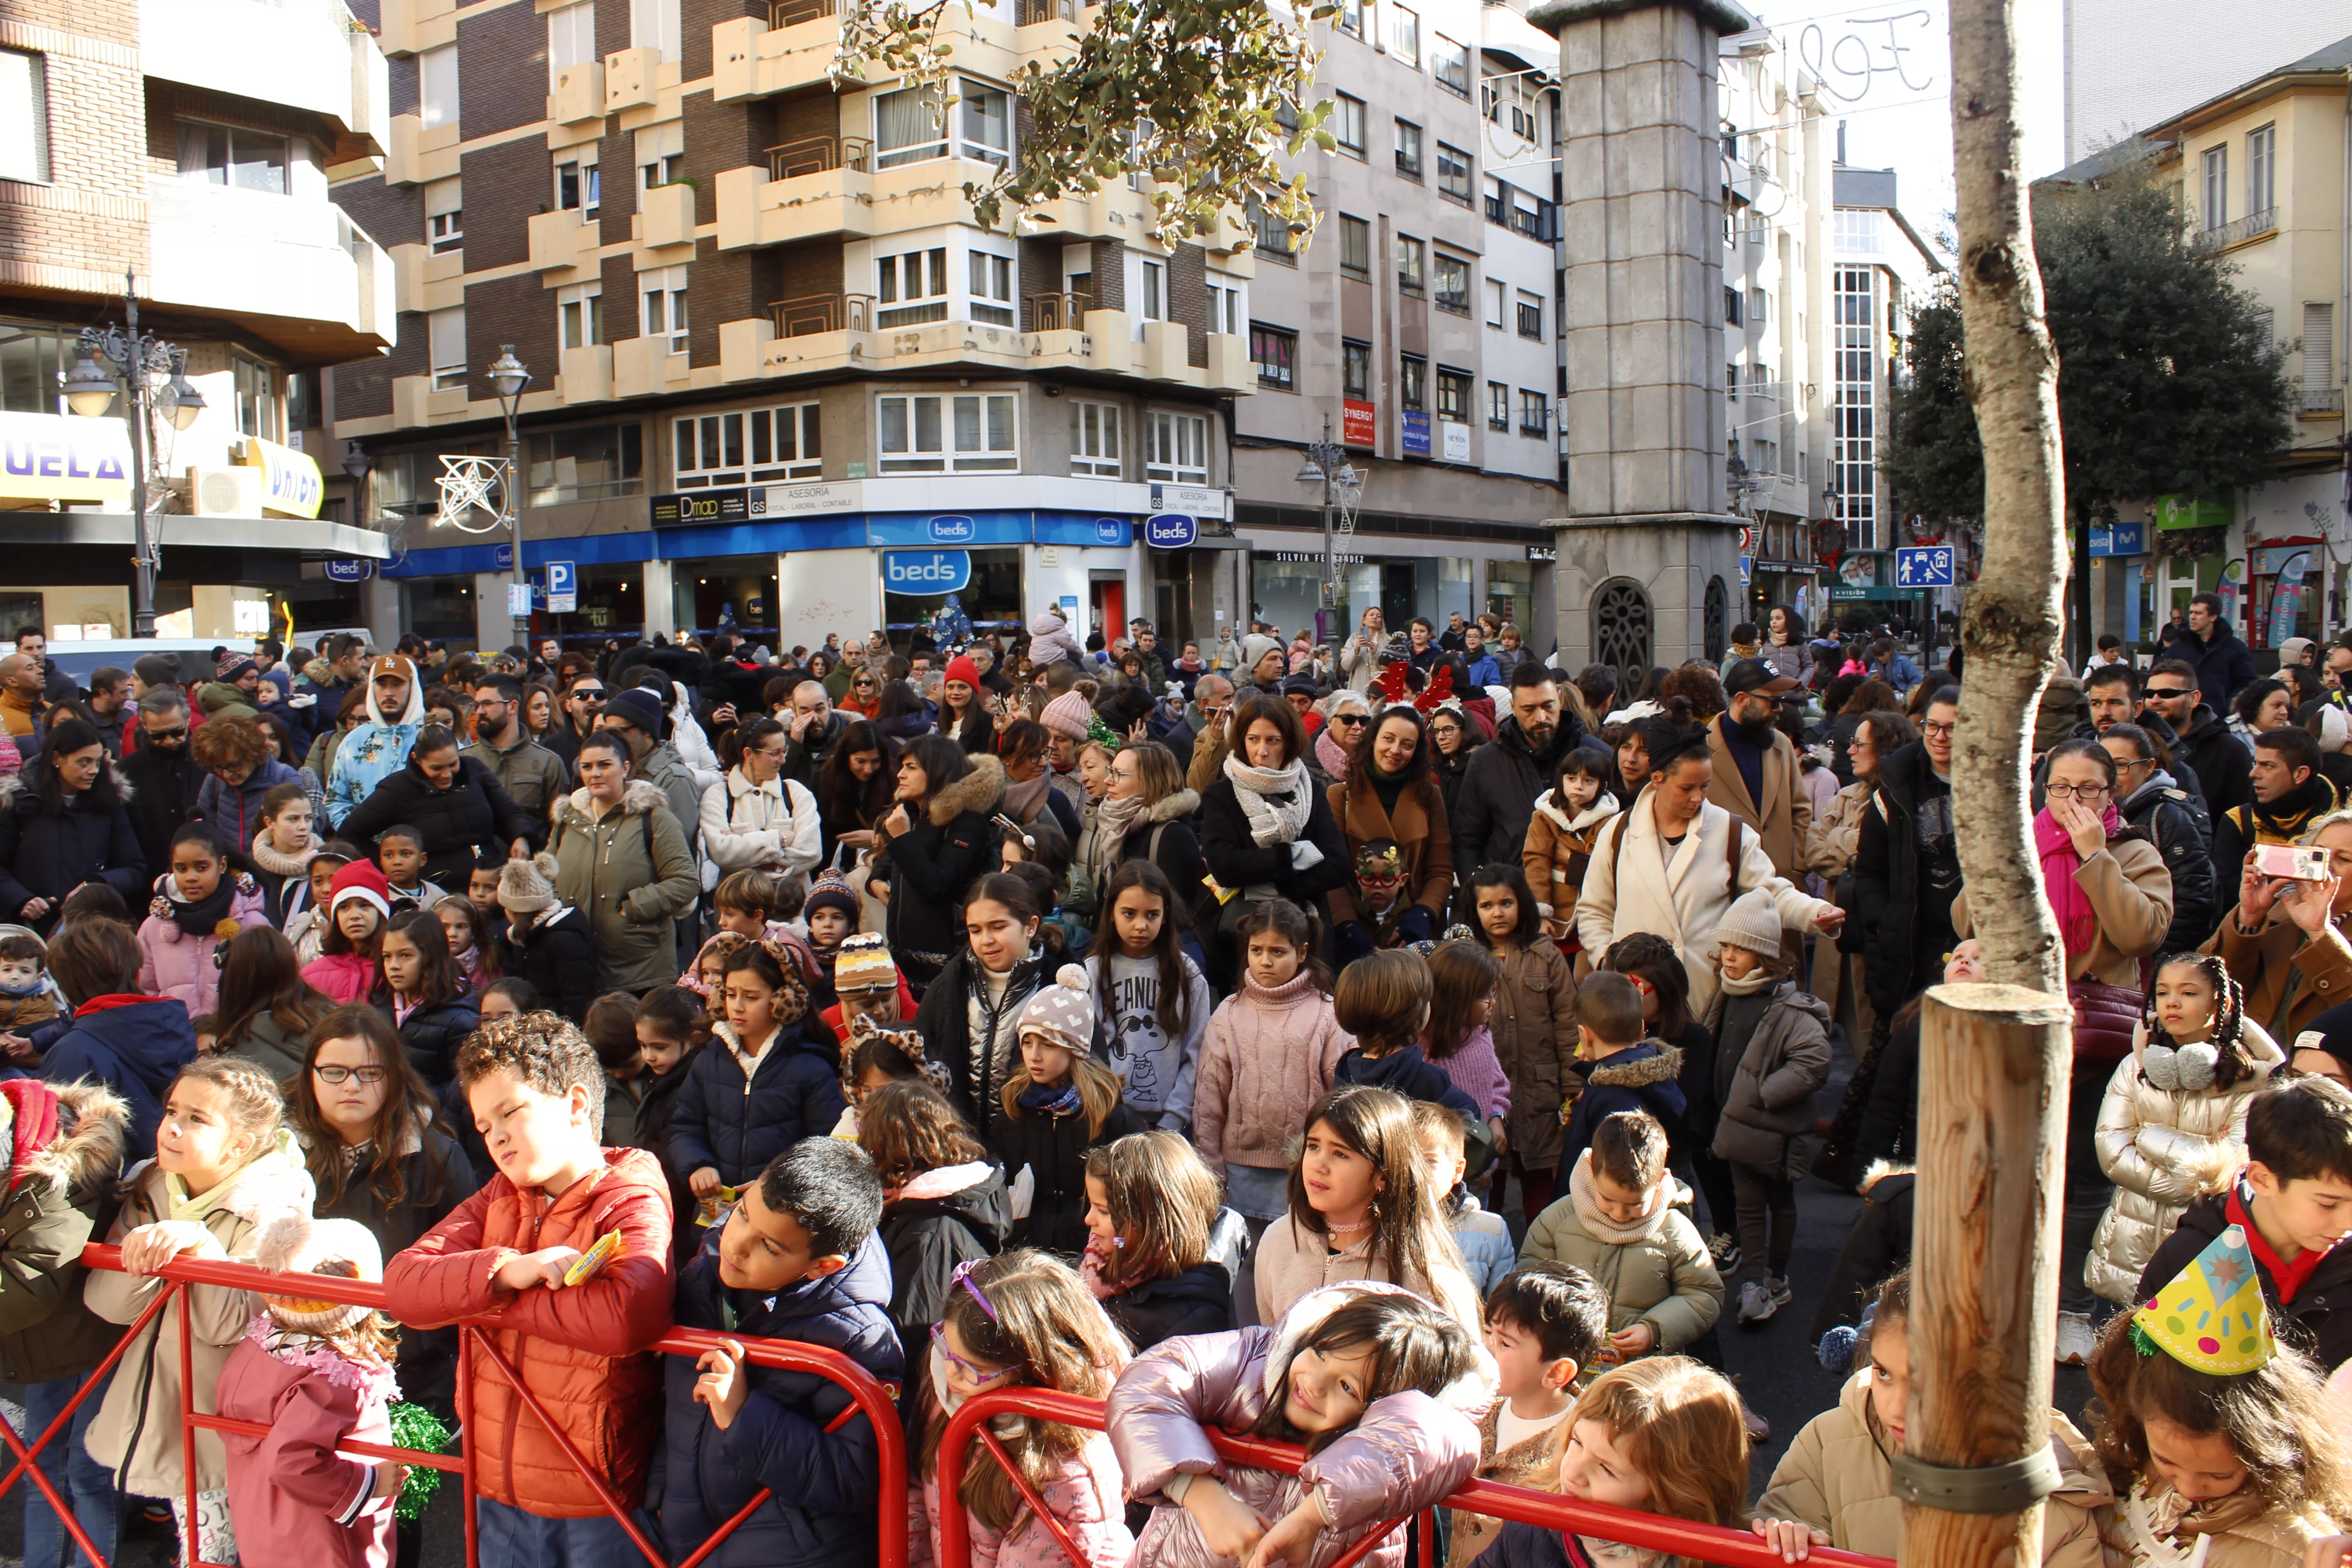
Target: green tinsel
414, 1426
2140, 1341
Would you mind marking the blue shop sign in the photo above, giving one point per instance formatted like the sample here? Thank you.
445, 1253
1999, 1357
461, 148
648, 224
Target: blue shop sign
1416, 433
926, 572
951, 529
2119, 539
350, 571
1170, 530
1110, 530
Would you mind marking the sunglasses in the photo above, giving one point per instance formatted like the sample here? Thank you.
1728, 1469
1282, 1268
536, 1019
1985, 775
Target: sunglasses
1350, 719
179, 734
588, 693
2156, 691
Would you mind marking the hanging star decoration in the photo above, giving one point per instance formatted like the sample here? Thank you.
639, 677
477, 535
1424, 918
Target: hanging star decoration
466, 484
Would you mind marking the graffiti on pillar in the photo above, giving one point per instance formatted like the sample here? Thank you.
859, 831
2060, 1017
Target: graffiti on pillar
1621, 631
1718, 610
1854, 56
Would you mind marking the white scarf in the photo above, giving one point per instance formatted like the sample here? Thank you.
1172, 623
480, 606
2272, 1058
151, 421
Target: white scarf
1271, 821
266, 856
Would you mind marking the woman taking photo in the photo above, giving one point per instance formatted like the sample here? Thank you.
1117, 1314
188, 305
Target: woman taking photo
1265, 831
936, 844
854, 789
755, 818
1359, 656
1388, 793
1830, 850
266, 1007
62, 823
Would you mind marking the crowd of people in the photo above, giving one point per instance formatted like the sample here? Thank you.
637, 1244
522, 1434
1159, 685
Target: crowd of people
1399, 1047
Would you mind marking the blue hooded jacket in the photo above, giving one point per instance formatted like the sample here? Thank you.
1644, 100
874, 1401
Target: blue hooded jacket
780, 1440
135, 1046
1640, 1077
735, 1129
1408, 1073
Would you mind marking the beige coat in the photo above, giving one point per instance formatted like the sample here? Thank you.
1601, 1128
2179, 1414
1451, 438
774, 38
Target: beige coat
1683, 899
2164, 1148
1784, 818
1836, 835
145, 1392
2131, 894
1835, 1479
1559, 841
1655, 1270
2241, 1538
1292, 1260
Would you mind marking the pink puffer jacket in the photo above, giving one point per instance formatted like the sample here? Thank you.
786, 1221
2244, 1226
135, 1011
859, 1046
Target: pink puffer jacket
1084, 1494
174, 963
1408, 1451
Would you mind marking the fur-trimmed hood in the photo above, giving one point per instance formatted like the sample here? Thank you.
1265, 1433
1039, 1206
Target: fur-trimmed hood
1603, 807
1637, 1066
90, 1153
1471, 1394
16, 792
637, 798
978, 789
1172, 808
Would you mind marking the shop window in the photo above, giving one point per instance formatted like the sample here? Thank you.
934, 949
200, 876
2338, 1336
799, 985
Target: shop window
1179, 448
965, 432
234, 157
911, 289
1453, 393
664, 290
591, 464
1276, 351
1094, 439
758, 446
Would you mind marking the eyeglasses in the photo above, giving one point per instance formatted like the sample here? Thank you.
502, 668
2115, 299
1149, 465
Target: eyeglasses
2154, 692
2075, 791
939, 1342
1929, 727
344, 1075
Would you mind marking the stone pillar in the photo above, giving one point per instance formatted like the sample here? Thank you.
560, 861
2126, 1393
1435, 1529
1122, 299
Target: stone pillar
1642, 340
661, 608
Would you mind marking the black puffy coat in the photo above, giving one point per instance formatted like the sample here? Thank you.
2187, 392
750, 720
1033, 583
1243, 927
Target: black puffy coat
934, 863
736, 1125
47, 851
2176, 821
2224, 765
1200, 1300
958, 1214
473, 815
1884, 926
432, 1031
1491, 812
558, 956
160, 798
1054, 1148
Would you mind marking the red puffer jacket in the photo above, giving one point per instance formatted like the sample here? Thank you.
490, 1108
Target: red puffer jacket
580, 1350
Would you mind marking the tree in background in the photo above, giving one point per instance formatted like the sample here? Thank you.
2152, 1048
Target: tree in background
2168, 380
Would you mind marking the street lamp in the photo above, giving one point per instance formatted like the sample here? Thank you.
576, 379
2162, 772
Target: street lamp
124, 360
507, 378
1328, 473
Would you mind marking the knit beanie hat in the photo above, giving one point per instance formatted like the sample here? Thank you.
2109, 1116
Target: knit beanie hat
864, 962
297, 1244
832, 891
1067, 715
961, 668
527, 887
639, 708
1753, 922
232, 665
1255, 647
1062, 1012
361, 880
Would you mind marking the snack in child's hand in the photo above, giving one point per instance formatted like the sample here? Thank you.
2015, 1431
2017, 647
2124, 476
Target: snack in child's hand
591, 1263
713, 1204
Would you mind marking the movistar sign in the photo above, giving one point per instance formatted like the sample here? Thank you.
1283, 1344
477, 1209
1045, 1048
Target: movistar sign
926, 571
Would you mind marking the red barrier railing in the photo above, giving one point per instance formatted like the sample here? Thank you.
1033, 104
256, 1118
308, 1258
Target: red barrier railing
1651, 1531
867, 1394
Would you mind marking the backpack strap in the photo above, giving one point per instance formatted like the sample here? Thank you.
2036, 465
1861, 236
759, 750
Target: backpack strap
1732, 855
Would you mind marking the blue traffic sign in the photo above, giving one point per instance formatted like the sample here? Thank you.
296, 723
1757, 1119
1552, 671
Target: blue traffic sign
926, 571
563, 577
1170, 530
1923, 566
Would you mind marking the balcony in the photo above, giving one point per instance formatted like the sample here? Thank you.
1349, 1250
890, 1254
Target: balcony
819, 155
2323, 403
811, 313
2252, 227
318, 58
579, 95
837, 198
560, 242
1056, 312
795, 45
298, 273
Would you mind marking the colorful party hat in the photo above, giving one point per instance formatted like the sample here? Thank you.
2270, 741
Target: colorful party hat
2212, 1316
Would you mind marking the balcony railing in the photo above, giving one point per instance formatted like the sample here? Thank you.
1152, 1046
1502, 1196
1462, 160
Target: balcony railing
797, 318
818, 155
1035, 11
785, 13
2250, 226
2322, 401
1058, 312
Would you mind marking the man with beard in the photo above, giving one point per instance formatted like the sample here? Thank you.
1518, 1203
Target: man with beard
810, 730
2112, 693
2290, 795
1499, 787
163, 778
1756, 776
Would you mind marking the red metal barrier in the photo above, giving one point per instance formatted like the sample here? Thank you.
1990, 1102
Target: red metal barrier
867, 1394
1652, 1532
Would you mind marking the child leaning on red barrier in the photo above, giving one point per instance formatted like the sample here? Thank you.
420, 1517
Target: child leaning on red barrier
534, 1087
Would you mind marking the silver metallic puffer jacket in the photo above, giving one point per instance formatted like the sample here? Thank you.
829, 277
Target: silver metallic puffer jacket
1408, 1451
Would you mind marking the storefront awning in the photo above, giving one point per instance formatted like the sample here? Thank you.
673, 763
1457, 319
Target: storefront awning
54, 457
303, 534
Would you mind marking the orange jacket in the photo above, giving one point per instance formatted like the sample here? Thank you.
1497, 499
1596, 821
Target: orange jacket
582, 1352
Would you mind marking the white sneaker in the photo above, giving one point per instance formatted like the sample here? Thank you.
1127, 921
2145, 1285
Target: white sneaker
2076, 1340
1756, 1302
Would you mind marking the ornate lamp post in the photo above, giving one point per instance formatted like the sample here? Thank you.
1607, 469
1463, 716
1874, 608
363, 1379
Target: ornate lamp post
1329, 473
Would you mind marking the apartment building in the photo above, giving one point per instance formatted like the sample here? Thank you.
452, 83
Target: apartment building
2131, 63
1776, 169
782, 380
153, 138
1418, 328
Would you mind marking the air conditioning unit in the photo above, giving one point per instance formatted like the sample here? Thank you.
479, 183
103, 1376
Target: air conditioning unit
224, 493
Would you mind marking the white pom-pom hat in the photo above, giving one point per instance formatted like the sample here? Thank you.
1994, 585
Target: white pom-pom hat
1062, 1012
297, 1244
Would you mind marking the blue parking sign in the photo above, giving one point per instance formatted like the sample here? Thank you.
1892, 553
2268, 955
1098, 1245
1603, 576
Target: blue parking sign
1923, 566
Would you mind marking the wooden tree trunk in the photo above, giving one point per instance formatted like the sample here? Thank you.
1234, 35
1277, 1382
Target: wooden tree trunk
1994, 1057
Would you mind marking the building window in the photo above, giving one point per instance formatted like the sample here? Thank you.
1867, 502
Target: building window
445, 216
966, 433
663, 292
1498, 405
1497, 292
1277, 352
1355, 371
985, 115
1453, 173
1273, 237
2261, 169
911, 289
1759, 306
1855, 232
1453, 278
909, 127
1155, 291
580, 315
656, 24
259, 399
1408, 264
1226, 309
1852, 428
1530, 315
2217, 187
1347, 123
233, 157
571, 40
991, 277
1453, 393
1451, 61
1732, 308
577, 188
590, 464
1731, 382
1404, 34
753, 447
1355, 246
1178, 449
1535, 413
444, 332
1408, 149
2318, 352
24, 117
660, 156
436, 85
1412, 382
1351, 18
1094, 439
